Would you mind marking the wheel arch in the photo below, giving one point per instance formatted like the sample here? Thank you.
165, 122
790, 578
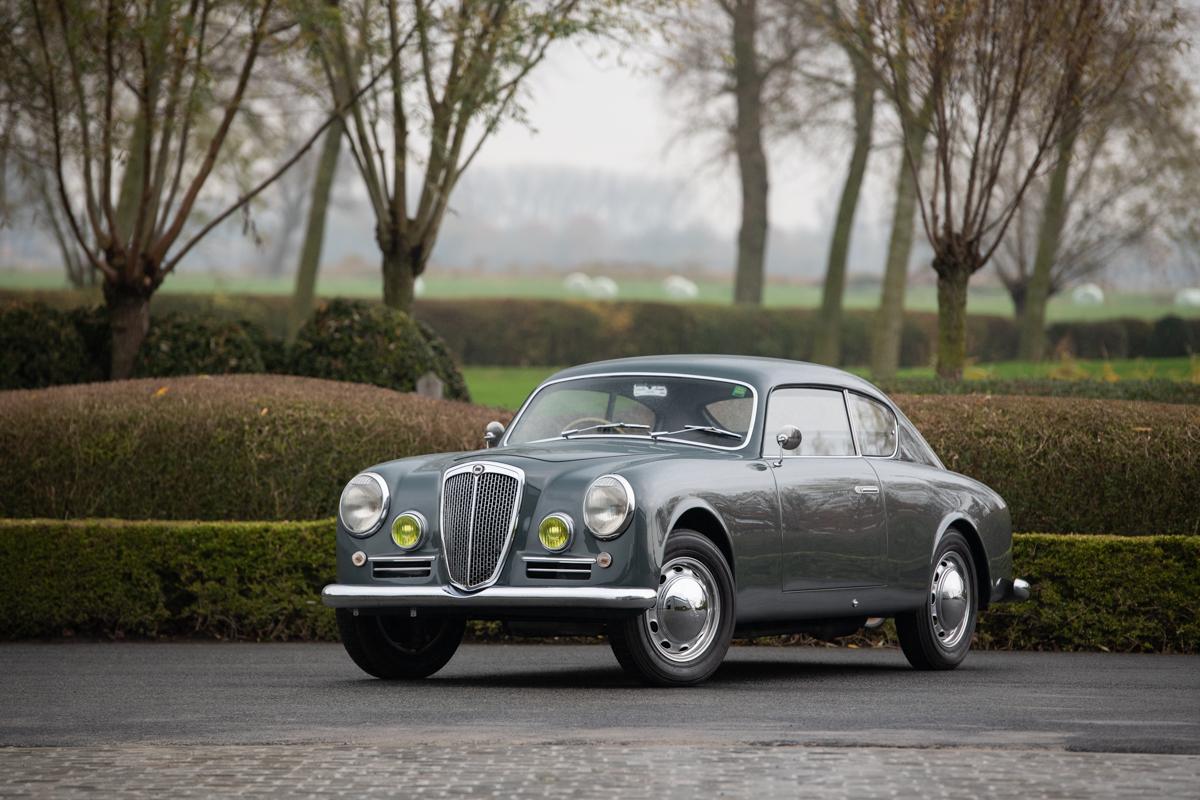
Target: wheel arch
704, 520
970, 532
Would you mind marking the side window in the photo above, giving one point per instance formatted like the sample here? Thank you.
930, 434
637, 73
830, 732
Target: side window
914, 448
820, 414
875, 424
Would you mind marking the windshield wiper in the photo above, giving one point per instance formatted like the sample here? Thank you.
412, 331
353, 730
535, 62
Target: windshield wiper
713, 429
567, 434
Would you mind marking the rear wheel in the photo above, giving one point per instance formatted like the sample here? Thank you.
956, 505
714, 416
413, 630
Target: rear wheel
399, 647
684, 637
938, 635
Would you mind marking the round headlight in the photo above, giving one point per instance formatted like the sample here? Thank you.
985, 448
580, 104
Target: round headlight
407, 530
555, 532
364, 503
608, 506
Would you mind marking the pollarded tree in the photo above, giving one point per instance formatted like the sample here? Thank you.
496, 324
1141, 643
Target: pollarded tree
462, 65
993, 71
1122, 154
130, 105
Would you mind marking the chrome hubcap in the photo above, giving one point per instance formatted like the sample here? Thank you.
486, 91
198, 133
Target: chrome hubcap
684, 619
950, 600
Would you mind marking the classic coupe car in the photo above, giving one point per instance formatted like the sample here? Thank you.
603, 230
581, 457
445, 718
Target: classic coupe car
672, 503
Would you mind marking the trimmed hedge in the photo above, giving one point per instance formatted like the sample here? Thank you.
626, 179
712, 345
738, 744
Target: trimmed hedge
222, 447
1073, 465
535, 332
262, 581
263, 447
344, 340
347, 340
1160, 390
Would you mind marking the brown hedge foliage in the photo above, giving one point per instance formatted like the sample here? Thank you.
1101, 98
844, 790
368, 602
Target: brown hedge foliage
1073, 465
220, 447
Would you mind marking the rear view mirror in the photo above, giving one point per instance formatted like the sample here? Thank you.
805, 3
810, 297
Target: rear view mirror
788, 438
492, 434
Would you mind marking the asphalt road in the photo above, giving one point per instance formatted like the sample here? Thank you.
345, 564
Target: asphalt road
120, 695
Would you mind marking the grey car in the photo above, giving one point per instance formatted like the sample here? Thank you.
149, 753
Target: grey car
672, 503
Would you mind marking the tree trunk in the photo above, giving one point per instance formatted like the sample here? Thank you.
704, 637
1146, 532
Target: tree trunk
952, 323
1019, 292
129, 319
1054, 213
888, 329
314, 232
828, 345
751, 155
399, 275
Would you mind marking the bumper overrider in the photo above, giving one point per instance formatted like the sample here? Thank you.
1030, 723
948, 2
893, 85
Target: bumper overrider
446, 598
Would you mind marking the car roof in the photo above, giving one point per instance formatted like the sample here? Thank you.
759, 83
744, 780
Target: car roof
761, 373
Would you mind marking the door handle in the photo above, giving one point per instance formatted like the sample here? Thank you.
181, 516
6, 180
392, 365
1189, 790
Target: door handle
866, 489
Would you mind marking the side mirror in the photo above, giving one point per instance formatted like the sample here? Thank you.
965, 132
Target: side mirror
788, 438
492, 434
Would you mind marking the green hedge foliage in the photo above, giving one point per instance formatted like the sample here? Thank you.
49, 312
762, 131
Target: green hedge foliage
262, 581
359, 342
522, 332
221, 447
1073, 465
40, 346
350, 341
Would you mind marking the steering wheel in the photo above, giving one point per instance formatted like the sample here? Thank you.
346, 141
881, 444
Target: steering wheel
584, 422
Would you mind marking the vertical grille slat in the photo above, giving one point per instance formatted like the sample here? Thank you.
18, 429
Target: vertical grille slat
479, 510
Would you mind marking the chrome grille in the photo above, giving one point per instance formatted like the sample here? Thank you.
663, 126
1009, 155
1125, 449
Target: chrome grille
401, 566
479, 513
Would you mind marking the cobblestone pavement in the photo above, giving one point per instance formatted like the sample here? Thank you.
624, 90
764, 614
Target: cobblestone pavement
582, 769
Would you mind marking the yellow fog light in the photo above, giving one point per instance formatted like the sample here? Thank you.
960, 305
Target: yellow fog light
408, 529
555, 532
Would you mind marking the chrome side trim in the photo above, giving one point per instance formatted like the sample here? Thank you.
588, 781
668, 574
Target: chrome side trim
488, 466
560, 559
866, 489
350, 596
749, 428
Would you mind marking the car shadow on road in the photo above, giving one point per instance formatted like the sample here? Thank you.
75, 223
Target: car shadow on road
732, 673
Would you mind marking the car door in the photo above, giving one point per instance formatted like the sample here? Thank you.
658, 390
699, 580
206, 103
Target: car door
834, 532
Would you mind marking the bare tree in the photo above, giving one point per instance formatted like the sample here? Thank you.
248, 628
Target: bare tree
1121, 140
849, 31
119, 94
734, 67
461, 69
991, 69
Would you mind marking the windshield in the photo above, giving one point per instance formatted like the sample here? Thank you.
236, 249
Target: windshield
703, 411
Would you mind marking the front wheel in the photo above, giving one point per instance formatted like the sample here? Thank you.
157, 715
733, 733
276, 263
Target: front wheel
938, 635
684, 637
399, 647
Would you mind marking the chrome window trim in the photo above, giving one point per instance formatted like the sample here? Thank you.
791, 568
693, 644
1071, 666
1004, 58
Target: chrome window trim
383, 511
628, 514
854, 427
488, 466
746, 439
826, 387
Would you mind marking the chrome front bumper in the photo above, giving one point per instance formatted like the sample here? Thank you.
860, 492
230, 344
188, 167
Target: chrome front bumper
340, 595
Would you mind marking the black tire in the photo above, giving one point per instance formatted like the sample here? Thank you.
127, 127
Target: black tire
922, 640
641, 656
395, 647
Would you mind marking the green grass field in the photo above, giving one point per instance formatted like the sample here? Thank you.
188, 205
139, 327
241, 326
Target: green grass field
450, 285
507, 387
